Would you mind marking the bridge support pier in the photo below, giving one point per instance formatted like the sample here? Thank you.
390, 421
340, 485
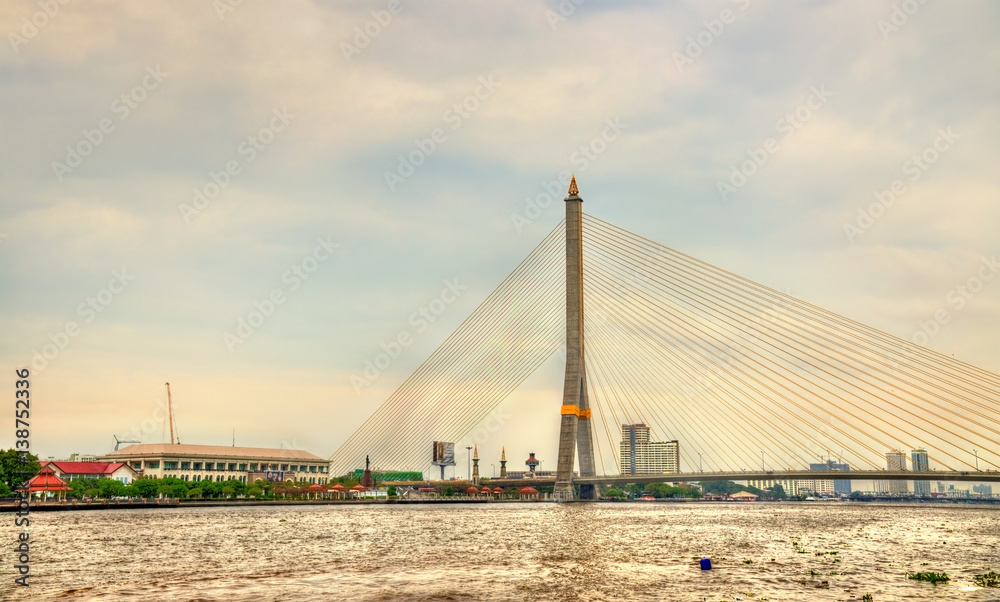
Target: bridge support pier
574, 430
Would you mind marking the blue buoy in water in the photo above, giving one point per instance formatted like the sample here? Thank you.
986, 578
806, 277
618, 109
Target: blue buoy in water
706, 564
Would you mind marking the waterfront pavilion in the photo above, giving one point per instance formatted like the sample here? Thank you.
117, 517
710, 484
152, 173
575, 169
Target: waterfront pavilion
46, 481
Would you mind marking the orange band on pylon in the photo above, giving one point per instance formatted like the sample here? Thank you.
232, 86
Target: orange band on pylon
584, 414
570, 410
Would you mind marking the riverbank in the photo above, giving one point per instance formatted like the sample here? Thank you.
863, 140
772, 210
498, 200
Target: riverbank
175, 503
168, 503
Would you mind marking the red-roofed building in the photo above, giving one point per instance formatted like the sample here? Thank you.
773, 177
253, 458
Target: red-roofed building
46, 483
68, 471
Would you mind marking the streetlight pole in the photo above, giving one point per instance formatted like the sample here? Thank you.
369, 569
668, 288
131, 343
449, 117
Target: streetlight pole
762, 461
469, 450
699, 462
494, 470
976, 451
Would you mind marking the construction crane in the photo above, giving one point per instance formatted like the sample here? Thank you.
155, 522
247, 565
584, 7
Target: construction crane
170, 418
119, 441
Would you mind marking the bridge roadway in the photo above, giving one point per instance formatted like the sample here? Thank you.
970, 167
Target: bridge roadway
742, 475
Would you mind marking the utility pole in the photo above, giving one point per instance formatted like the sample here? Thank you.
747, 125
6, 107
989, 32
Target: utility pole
469, 450
976, 451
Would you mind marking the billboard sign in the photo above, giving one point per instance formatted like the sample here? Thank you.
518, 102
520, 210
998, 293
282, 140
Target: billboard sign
274, 476
444, 454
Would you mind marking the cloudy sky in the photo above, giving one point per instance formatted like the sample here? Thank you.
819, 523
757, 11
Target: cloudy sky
171, 168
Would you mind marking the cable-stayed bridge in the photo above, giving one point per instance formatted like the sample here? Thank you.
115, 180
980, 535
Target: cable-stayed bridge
739, 374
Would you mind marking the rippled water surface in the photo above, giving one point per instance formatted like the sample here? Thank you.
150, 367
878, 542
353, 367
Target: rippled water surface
534, 551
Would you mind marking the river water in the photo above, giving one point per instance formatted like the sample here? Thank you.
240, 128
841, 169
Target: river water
529, 551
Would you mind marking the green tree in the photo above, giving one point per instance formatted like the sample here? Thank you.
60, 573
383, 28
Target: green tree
255, 491
146, 486
178, 490
195, 492
634, 489
778, 492
209, 487
726, 488
391, 491
16, 468
111, 488
79, 486
164, 490
228, 491
615, 494
239, 487
92, 492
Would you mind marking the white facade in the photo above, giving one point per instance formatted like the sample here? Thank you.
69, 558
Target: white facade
791, 487
638, 454
818, 486
220, 463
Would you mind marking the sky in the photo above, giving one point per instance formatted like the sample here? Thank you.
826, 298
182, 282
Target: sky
250, 200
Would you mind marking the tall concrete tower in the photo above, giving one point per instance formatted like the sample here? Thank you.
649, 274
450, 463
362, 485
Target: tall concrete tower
574, 430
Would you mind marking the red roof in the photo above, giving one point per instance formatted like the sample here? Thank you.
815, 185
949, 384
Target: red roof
316, 487
497, 490
88, 468
472, 490
46, 480
528, 490
338, 487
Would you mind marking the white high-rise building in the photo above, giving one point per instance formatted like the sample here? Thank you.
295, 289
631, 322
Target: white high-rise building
894, 461
638, 454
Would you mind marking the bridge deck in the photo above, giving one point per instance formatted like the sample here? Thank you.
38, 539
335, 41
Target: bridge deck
775, 475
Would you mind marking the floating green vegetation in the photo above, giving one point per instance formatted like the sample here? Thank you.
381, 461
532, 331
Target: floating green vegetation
924, 563
747, 560
934, 578
867, 598
815, 573
989, 579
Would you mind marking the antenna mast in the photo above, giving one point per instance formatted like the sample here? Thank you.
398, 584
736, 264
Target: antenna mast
170, 412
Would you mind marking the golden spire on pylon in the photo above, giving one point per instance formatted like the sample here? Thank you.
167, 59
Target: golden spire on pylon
503, 453
573, 190
475, 452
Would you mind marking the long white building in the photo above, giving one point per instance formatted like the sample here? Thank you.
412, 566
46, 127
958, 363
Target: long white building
639, 454
221, 463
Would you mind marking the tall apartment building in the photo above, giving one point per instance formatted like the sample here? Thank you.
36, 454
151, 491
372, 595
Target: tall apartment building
894, 461
639, 454
920, 464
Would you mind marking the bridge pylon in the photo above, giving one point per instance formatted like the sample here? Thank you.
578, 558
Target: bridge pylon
575, 434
